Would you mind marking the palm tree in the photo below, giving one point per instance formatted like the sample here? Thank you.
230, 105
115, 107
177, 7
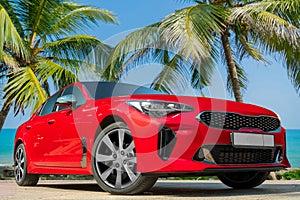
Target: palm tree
40, 46
213, 30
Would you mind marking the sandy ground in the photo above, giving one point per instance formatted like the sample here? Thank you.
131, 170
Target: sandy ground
81, 190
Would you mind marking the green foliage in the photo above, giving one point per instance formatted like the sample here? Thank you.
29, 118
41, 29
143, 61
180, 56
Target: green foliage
43, 42
9, 36
193, 34
290, 175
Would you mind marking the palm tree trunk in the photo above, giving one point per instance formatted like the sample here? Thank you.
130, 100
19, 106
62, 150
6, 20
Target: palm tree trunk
231, 67
3, 113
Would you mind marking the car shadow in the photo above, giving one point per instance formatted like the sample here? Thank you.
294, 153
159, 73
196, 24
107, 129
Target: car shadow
189, 189
217, 189
91, 187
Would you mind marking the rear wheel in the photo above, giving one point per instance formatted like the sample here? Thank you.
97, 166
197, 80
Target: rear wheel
20, 169
114, 162
243, 180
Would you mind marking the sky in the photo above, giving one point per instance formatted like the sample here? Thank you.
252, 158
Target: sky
268, 85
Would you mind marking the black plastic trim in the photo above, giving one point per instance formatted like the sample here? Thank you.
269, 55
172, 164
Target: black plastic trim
166, 142
212, 171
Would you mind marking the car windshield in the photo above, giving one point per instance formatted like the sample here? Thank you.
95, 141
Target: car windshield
100, 90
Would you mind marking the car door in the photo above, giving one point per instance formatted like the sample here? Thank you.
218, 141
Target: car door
42, 133
68, 146
56, 139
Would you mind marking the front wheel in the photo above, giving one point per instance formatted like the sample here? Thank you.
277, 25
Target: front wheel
20, 169
243, 180
114, 162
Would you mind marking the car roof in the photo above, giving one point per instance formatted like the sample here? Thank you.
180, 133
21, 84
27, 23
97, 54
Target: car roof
99, 90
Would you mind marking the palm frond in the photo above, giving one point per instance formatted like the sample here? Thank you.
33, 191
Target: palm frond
192, 30
175, 75
24, 90
145, 56
245, 48
266, 23
281, 7
242, 77
177, 72
35, 16
174, 78
276, 33
9, 36
76, 47
10, 9
95, 63
147, 37
292, 63
60, 75
70, 18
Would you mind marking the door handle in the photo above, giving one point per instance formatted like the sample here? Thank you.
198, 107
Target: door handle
51, 121
28, 127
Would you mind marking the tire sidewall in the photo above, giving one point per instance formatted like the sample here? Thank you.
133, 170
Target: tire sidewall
25, 164
257, 179
131, 188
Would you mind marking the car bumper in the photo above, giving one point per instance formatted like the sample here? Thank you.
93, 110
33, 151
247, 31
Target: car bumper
189, 136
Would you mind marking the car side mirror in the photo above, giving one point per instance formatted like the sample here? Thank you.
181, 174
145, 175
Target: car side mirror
68, 100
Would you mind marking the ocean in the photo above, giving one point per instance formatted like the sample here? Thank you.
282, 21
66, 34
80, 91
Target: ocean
7, 138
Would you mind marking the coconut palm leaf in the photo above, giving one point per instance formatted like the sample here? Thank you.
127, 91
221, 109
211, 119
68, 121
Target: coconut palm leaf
265, 19
242, 77
35, 15
274, 31
177, 72
281, 7
147, 37
73, 17
24, 90
76, 47
174, 77
9, 36
7, 5
159, 36
292, 59
60, 75
191, 30
39, 44
244, 47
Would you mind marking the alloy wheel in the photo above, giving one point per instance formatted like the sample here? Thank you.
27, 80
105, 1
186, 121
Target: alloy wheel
19, 164
115, 159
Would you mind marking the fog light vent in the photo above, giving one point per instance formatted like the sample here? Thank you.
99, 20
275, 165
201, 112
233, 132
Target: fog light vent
204, 154
279, 156
166, 142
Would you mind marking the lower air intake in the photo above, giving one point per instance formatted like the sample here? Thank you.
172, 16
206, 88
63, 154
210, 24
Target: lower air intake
227, 154
166, 142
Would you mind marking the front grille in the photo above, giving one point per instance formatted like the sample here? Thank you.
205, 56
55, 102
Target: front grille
233, 121
227, 154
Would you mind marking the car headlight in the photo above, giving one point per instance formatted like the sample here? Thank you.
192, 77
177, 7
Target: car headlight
159, 108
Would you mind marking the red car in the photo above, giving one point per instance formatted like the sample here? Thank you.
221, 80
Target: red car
127, 136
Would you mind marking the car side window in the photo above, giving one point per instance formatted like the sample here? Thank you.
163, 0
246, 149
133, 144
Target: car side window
49, 105
74, 90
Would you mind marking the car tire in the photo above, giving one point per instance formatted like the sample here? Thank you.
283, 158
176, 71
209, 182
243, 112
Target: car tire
243, 180
114, 165
20, 168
